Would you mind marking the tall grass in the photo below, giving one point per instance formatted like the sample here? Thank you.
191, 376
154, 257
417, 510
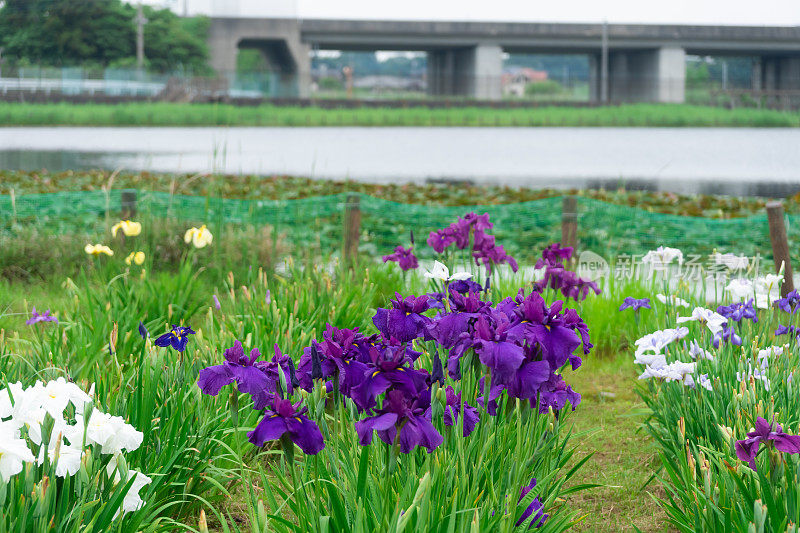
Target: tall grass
170, 114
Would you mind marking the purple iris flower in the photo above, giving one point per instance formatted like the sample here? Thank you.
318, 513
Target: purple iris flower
535, 508
529, 377
635, 303
493, 394
437, 372
495, 350
272, 368
555, 393
387, 369
484, 250
784, 330
573, 321
452, 411
404, 257
789, 304
404, 321
554, 255
569, 283
404, 413
765, 432
143, 331
177, 337
217, 305
472, 227
739, 311
241, 369
538, 324
40, 317
338, 349
727, 334
464, 286
282, 418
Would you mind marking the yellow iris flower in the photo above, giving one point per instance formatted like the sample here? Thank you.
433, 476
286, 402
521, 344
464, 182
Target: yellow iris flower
135, 257
199, 237
97, 249
129, 228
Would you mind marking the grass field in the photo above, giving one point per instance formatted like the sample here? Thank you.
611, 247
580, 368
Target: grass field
171, 114
606, 425
253, 285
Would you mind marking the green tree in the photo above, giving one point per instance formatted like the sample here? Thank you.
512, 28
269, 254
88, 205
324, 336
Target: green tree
65, 32
100, 32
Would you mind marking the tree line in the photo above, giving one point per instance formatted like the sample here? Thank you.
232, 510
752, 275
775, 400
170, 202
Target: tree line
99, 34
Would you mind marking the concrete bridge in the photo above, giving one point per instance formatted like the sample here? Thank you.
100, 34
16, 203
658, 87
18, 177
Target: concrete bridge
628, 62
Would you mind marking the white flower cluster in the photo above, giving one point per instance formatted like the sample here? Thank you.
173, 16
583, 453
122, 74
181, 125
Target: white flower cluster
649, 353
764, 290
22, 416
711, 319
663, 256
672, 299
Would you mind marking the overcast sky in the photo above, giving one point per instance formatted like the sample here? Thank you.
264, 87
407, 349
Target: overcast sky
737, 12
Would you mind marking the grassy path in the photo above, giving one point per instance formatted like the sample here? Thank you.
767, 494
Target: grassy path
624, 456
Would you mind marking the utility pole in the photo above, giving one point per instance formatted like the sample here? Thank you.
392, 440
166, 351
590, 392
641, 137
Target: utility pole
604, 64
140, 22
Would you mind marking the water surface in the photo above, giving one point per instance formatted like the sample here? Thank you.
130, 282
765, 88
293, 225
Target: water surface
711, 160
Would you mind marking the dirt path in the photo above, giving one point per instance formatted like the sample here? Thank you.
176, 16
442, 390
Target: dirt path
624, 455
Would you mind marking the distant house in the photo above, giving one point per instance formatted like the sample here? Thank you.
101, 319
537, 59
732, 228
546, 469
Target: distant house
514, 80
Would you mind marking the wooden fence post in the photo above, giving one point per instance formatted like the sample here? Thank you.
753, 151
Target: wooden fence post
569, 221
352, 227
780, 245
128, 204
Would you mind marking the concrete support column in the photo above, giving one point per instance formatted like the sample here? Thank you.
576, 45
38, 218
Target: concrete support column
647, 75
441, 72
223, 51
790, 73
594, 78
756, 74
472, 72
671, 77
487, 71
619, 80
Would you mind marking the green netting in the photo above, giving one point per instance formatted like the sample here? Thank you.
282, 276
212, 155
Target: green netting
523, 228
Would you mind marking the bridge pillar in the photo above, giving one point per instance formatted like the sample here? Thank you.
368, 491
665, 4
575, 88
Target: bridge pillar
647, 75
472, 72
486, 72
278, 40
778, 73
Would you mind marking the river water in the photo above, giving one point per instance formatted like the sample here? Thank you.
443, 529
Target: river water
734, 161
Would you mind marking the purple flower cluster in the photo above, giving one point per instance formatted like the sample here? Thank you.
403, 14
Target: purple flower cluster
40, 317
177, 337
472, 230
787, 330
404, 257
535, 508
739, 311
558, 278
515, 349
727, 334
766, 433
635, 303
521, 342
789, 304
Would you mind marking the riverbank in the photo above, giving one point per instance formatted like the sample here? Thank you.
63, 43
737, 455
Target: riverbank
179, 114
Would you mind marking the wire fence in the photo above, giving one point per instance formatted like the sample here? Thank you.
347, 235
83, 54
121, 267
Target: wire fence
318, 222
